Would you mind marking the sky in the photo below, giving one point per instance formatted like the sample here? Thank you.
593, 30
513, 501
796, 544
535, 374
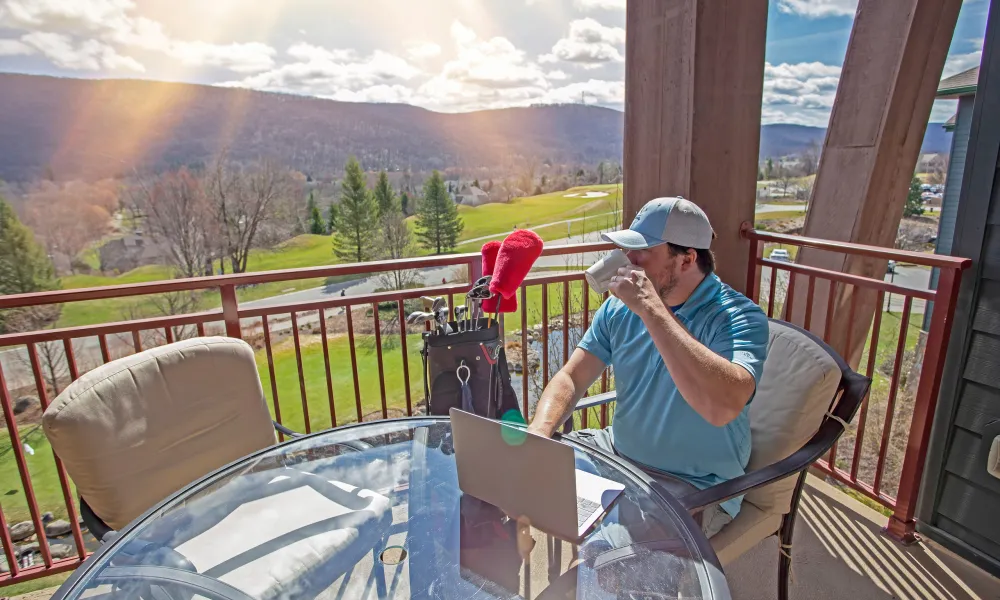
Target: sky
444, 55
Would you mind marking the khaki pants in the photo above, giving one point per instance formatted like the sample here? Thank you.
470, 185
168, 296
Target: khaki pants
712, 519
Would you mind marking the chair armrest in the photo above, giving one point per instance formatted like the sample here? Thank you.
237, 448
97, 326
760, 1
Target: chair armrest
820, 443
592, 401
279, 427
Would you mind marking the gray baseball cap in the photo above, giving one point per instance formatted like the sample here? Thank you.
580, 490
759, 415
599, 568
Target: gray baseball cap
662, 220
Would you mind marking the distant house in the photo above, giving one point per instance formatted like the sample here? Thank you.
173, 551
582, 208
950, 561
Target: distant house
472, 196
130, 251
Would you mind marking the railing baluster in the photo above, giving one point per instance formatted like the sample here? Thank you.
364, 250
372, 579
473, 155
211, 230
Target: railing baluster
545, 335
326, 364
378, 355
859, 436
565, 328
771, 292
201, 329
270, 371
604, 388
105, 353
586, 325
136, 341
893, 388
789, 294
22, 469
302, 377
451, 307
354, 359
406, 358
828, 328
525, 370
169, 331
43, 399
850, 319
74, 373
810, 295
8, 546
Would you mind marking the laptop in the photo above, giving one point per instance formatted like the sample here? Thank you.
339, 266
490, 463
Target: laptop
527, 475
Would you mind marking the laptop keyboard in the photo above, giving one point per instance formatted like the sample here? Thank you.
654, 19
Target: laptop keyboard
584, 509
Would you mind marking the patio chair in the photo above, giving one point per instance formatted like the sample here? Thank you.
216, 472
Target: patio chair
135, 430
804, 401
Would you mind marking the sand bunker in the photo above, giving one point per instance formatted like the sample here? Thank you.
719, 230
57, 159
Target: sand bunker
586, 195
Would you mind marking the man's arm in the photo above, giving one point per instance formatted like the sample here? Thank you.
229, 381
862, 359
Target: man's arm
564, 390
716, 388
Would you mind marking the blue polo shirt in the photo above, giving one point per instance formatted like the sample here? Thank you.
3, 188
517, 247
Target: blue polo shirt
653, 424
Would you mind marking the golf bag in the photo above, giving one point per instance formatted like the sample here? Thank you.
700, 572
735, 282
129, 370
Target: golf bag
468, 370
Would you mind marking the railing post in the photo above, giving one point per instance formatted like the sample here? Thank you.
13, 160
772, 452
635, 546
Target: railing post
231, 311
475, 271
901, 525
753, 269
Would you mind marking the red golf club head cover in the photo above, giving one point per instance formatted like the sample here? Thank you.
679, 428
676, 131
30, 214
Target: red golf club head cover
517, 254
490, 251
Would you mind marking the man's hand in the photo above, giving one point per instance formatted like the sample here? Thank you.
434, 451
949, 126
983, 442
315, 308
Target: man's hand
632, 287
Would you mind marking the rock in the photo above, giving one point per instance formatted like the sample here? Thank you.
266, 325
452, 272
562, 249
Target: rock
4, 568
62, 550
58, 528
21, 531
28, 549
47, 517
24, 403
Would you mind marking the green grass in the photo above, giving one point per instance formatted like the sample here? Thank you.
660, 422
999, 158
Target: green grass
778, 216
44, 479
35, 584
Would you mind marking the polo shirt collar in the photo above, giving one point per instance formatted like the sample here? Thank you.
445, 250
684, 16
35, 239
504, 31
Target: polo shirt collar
706, 291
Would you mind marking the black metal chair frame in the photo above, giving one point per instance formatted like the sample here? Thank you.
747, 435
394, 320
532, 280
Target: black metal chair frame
845, 403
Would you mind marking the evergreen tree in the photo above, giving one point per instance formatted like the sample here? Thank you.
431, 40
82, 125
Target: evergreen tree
914, 204
24, 268
769, 169
385, 197
438, 223
316, 225
404, 203
357, 236
331, 218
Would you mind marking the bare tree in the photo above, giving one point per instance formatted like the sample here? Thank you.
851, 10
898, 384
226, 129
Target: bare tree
164, 305
784, 179
810, 159
396, 244
938, 169
179, 215
243, 200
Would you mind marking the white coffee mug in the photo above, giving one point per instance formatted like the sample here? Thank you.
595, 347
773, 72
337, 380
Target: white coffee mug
600, 274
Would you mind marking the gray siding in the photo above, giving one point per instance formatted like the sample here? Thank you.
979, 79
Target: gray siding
959, 500
956, 169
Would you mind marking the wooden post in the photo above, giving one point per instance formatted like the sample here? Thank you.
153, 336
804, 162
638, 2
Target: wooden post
894, 61
694, 79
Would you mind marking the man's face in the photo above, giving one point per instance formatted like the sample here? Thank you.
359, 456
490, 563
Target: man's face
661, 266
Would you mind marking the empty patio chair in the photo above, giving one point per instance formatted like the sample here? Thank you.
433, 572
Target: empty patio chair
136, 430
804, 400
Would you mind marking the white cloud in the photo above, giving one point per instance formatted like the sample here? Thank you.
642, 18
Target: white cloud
556, 75
588, 43
963, 62
819, 8
90, 55
799, 93
334, 74
100, 28
495, 63
14, 48
601, 4
422, 51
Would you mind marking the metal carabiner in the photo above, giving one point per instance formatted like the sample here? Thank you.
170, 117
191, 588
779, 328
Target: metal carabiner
468, 373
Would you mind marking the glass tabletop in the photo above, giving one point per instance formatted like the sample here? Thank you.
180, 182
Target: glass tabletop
375, 511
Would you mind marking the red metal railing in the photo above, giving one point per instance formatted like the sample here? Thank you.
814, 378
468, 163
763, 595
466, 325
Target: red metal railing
265, 328
882, 455
867, 467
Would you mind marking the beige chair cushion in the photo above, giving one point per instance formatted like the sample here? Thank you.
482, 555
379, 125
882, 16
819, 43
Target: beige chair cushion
744, 532
993, 461
137, 429
800, 380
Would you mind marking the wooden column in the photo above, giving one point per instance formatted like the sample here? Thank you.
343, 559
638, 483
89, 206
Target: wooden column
894, 61
694, 80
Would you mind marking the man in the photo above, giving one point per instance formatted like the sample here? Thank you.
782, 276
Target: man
687, 352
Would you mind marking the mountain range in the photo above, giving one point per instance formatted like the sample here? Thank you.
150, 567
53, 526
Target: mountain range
78, 128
